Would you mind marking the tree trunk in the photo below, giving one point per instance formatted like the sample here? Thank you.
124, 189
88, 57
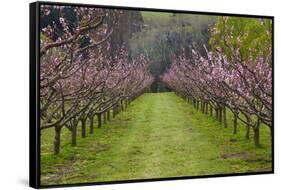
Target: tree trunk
113, 111
235, 123
194, 103
122, 106
117, 108
224, 117
108, 115
206, 108
83, 127
217, 113
73, 135
104, 117
92, 123
220, 114
248, 128
99, 120
57, 140
211, 110
257, 134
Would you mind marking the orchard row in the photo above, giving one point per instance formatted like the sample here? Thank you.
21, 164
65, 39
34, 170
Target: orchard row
213, 82
81, 76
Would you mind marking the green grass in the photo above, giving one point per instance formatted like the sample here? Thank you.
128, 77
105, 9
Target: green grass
158, 135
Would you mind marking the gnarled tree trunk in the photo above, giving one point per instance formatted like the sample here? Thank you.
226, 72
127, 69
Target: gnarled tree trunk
247, 135
257, 133
235, 117
220, 114
57, 139
92, 123
83, 127
224, 117
113, 111
99, 120
108, 115
74, 135
217, 113
122, 105
104, 117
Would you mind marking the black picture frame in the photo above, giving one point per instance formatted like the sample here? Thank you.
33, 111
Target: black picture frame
34, 91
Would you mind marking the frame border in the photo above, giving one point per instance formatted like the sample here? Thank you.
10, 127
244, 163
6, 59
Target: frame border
34, 91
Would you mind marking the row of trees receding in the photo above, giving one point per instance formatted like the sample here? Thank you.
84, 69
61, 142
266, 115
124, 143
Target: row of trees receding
235, 75
81, 75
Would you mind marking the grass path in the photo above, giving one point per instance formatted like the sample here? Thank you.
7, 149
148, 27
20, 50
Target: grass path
159, 135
